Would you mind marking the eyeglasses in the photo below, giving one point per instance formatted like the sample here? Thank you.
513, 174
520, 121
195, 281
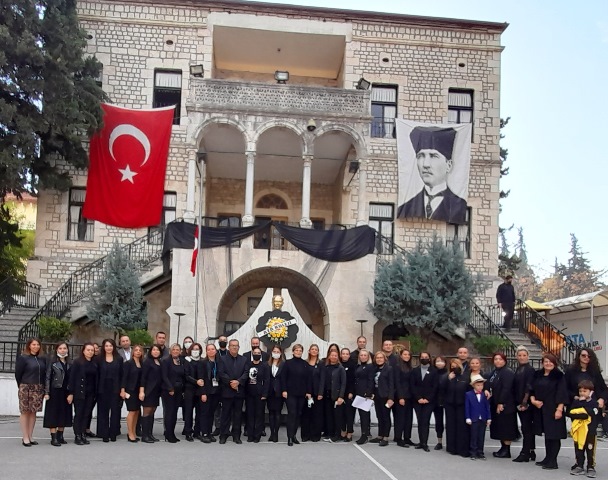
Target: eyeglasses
584, 355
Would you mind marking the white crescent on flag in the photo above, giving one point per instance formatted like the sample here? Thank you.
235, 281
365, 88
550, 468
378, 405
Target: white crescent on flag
136, 133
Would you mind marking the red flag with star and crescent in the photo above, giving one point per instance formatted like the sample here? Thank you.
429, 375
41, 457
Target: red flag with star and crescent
127, 165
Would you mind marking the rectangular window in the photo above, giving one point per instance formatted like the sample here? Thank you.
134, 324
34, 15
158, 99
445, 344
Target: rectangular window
381, 217
155, 234
231, 327
79, 228
460, 106
168, 91
230, 221
318, 223
460, 235
99, 78
384, 111
252, 304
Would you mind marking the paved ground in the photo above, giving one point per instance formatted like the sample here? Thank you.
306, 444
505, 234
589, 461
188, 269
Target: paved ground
261, 461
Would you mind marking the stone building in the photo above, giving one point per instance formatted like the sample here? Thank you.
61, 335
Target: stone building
315, 150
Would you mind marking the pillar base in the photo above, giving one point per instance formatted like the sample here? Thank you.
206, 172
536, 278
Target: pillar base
247, 220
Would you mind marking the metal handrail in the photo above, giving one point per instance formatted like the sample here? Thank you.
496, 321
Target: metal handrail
18, 293
9, 351
142, 252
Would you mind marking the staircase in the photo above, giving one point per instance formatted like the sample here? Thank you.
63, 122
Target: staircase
19, 300
12, 322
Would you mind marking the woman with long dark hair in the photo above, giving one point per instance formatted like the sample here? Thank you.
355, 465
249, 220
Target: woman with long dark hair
522, 385
129, 391
403, 409
187, 345
30, 371
195, 381
149, 392
210, 394
586, 367
173, 374
275, 399
364, 388
57, 410
82, 389
296, 383
108, 391
548, 395
313, 413
502, 405
333, 392
440, 364
457, 432
384, 394
348, 427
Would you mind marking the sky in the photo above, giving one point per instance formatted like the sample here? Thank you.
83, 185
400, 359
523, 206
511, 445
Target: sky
554, 87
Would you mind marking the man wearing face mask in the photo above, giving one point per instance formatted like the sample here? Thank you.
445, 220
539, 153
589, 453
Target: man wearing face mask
195, 381
423, 389
222, 341
233, 375
257, 393
255, 343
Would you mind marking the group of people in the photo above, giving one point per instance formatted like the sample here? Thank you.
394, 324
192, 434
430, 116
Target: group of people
215, 385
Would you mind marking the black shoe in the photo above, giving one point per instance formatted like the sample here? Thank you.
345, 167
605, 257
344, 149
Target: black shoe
77, 440
426, 448
132, 441
438, 447
383, 443
106, 440
237, 440
295, 441
362, 441
85, 440
542, 463
33, 442
112, 439
189, 438
481, 457
89, 434
504, 452
60, 438
550, 466
290, 442
172, 439
521, 458
26, 444
347, 439
419, 447
198, 436
207, 439
257, 439
532, 455
216, 432
54, 441
250, 439
375, 440
146, 439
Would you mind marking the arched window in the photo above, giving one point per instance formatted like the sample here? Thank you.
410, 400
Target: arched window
272, 200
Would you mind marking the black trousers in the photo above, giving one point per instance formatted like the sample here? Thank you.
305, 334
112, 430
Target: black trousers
404, 416
552, 448
527, 430
509, 309
232, 414
589, 447
191, 411
83, 410
90, 417
349, 416
207, 413
365, 422
439, 425
423, 414
334, 418
478, 436
312, 420
457, 432
108, 414
295, 405
255, 408
384, 417
171, 404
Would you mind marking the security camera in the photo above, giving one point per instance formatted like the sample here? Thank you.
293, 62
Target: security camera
312, 125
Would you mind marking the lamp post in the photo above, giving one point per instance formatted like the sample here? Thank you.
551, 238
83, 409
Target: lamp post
361, 322
179, 320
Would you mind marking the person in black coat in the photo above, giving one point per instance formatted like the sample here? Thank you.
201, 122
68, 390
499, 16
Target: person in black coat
82, 388
457, 432
210, 393
255, 343
522, 386
505, 297
440, 365
275, 397
174, 377
403, 409
502, 405
548, 395
129, 390
233, 373
296, 382
194, 383
424, 382
149, 392
348, 427
333, 392
384, 394
586, 367
313, 414
57, 410
108, 391
257, 393
364, 388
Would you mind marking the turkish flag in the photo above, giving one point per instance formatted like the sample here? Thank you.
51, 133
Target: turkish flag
127, 165
194, 253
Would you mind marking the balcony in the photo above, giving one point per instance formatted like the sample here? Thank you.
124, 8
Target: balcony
212, 95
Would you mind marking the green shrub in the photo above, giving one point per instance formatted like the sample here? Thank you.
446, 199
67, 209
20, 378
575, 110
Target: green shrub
489, 345
54, 329
140, 337
416, 342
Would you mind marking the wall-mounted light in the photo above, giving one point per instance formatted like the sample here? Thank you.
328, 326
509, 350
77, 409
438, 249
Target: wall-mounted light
312, 125
281, 76
353, 166
363, 84
197, 70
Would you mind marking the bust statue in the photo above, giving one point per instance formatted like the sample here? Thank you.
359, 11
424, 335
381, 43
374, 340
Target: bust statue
277, 302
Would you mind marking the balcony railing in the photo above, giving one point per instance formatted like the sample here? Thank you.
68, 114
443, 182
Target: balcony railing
225, 95
18, 293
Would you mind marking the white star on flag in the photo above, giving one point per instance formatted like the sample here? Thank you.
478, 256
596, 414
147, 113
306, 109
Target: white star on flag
127, 174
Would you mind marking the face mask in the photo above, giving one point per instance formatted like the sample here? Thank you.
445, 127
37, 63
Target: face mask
195, 353
187, 345
457, 370
276, 356
425, 361
440, 364
223, 344
62, 355
257, 356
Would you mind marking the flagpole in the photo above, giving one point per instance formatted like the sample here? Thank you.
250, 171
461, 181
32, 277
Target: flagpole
200, 157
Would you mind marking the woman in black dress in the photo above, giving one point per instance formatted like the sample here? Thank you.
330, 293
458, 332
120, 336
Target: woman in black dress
364, 388
174, 376
384, 394
30, 370
108, 391
210, 396
195, 381
349, 365
149, 392
522, 385
313, 413
334, 390
57, 410
296, 383
275, 400
586, 367
457, 432
129, 391
440, 365
502, 405
403, 410
82, 388
549, 394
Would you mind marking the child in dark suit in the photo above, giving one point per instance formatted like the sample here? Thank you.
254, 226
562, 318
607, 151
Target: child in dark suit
477, 415
585, 416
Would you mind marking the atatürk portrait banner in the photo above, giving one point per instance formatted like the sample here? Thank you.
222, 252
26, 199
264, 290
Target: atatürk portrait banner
434, 164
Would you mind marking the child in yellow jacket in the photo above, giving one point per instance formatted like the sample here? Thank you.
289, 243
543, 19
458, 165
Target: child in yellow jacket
584, 413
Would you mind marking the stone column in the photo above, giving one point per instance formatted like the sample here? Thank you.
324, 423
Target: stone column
362, 204
189, 214
248, 216
305, 221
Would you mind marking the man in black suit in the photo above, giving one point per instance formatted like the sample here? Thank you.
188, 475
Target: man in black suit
255, 343
434, 147
125, 351
505, 296
233, 373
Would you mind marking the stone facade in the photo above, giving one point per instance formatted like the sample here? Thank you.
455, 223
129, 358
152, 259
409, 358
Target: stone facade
239, 111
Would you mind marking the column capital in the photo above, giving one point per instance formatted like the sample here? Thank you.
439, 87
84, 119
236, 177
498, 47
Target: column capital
250, 154
307, 159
